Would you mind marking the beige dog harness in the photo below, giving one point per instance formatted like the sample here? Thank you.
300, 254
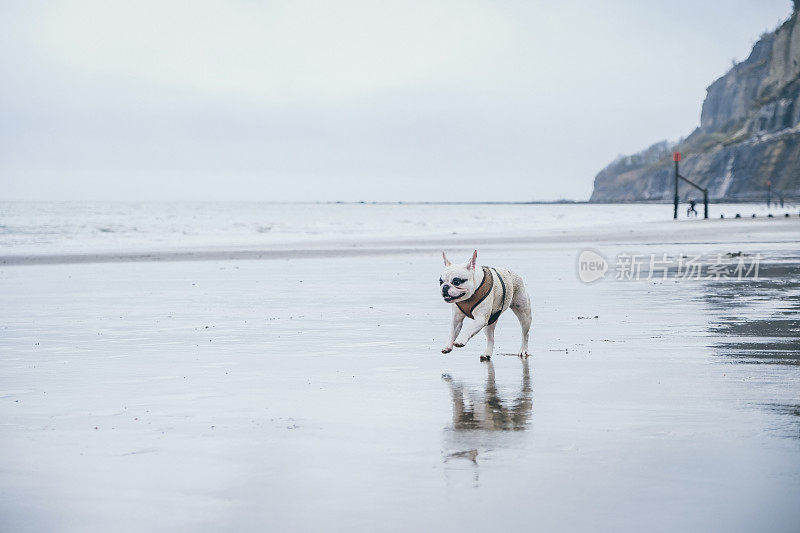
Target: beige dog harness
480, 294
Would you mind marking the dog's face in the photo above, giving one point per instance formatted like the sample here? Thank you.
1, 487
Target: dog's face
457, 282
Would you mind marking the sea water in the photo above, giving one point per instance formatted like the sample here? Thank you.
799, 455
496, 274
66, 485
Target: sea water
59, 227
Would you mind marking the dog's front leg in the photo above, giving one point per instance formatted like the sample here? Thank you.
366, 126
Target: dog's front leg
489, 342
455, 328
470, 330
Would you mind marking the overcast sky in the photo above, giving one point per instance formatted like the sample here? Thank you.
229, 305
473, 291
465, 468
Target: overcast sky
295, 100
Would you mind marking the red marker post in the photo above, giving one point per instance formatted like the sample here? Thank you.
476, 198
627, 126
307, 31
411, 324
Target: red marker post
676, 156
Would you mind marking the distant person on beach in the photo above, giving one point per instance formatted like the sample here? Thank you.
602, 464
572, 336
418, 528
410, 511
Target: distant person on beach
691, 212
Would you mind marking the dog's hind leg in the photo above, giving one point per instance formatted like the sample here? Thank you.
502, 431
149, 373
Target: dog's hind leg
521, 305
489, 342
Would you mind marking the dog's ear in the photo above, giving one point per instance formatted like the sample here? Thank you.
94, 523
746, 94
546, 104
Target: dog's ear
447, 262
471, 264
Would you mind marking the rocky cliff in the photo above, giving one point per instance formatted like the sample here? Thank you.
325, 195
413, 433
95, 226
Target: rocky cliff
749, 134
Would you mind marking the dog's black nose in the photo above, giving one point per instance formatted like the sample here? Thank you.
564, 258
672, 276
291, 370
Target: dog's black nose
445, 289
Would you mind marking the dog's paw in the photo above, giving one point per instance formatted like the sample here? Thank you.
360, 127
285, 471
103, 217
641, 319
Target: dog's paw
447, 349
458, 344
486, 357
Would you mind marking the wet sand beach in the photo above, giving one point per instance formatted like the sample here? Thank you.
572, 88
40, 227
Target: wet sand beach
235, 238
308, 392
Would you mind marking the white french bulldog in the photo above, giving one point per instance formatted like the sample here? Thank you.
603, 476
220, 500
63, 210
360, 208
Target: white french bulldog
482, 294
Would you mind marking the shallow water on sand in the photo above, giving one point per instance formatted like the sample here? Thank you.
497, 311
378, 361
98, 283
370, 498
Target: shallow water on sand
309, 394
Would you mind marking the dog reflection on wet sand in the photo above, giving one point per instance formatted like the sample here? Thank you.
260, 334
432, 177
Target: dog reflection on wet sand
473, 410
483, 421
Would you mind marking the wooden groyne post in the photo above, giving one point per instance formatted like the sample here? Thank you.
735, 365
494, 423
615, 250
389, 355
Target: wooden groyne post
676, 157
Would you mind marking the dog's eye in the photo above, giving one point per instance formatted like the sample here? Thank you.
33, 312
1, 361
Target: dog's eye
457, 282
